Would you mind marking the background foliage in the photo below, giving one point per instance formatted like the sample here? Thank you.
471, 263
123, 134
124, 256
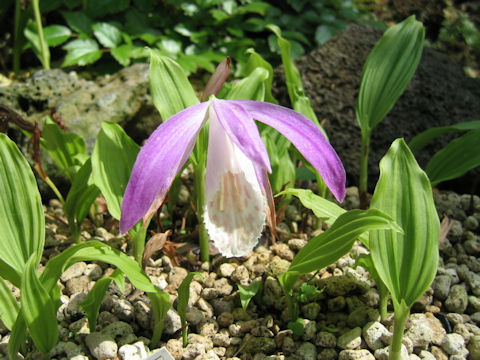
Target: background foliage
197, 33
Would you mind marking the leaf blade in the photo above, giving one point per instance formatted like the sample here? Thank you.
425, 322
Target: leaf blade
113, 156
22, 222
407, 262
455, 159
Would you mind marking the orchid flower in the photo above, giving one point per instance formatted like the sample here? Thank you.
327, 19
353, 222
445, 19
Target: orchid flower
238, 196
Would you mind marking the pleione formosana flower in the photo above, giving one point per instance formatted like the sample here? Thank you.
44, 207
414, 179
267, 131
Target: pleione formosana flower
238, 196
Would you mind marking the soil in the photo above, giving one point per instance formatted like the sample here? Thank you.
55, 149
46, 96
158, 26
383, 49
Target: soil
341, 321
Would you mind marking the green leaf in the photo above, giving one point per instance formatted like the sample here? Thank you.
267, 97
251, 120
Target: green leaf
107, 34
171, 91
31, 33
80, 198
198, 61
307, 292
256, 61
250, 88
22, 222
17, 337
38, 309
296, 93
248, 292
388, 70
332, 244
113, 156
324, 209
422, 139
95, 251
92, 303
67, 149
184, 294
323, 33
8, 305
455, 159
56, 34
160, 302
81, 52
407, 262
78, 21
297, 326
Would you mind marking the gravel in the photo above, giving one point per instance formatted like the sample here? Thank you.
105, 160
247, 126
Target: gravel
341, 322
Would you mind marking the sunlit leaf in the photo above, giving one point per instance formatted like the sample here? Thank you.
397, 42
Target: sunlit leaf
248, 292
407, 262
38, 309
171, 91
427, 136
324, 209
388, 70
95, 251
251, 87
91, 305
22, 222
113, 156
67, 149
80, 198
455, 159
81, 52
8, 305
107, 34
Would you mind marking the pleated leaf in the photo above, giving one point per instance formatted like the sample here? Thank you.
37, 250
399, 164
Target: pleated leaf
92, 303
90, 251
22, 223
68, 150
256, 61
324, 209
455, 159
17, 336
388, 70
8, 305
296, 93
252, 87
38, 309
407, 262
95, 251
424, 138
184, 294
337, 241
160, 302
113, 156
182, 301
171, 91
80, 198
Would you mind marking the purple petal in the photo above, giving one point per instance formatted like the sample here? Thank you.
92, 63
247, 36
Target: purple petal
158, 162
242, 130
306, 137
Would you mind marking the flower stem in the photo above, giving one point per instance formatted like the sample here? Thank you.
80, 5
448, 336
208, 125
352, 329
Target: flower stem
401, 316
137, 236
363, 182
44, 52
383, 292
200, 202
200, 166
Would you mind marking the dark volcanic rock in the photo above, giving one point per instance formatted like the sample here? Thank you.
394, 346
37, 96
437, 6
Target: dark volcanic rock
439, 94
